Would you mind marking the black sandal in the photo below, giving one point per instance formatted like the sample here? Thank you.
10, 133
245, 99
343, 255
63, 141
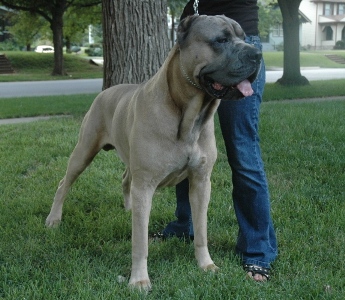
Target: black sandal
253, 269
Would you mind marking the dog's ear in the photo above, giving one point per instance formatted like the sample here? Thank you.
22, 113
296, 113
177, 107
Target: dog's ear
183, 29
238, 29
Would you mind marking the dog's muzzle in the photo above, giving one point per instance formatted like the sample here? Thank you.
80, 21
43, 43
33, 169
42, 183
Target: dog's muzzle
232, 81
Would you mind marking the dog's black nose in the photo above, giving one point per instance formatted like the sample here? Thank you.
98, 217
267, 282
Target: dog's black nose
250, 54
255, 55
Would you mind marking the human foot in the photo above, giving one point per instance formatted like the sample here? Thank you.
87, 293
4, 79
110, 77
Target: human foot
257, 273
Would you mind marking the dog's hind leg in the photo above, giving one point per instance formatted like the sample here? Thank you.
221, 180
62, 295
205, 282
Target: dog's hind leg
84, 152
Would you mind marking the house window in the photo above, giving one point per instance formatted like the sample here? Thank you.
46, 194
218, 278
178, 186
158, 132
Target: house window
277, 30
328, 9
341, 9
328, 33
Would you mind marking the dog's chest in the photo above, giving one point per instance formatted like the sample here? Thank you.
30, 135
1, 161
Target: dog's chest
182, 162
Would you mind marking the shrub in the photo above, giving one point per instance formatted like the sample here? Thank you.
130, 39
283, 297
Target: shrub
8, 45
280, 47
339, 45
94, 50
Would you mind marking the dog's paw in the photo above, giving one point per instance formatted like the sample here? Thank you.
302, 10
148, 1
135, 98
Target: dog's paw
52, 221
210, 268
142, 285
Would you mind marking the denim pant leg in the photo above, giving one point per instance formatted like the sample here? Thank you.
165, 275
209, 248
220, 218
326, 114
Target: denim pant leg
183, 226
256, 242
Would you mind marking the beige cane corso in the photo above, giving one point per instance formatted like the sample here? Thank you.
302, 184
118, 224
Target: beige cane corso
163, 129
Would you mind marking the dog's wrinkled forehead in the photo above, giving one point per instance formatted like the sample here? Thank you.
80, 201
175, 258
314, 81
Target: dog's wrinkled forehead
208, 27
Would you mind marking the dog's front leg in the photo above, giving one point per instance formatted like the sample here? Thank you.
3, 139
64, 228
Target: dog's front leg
199, 195
141, 196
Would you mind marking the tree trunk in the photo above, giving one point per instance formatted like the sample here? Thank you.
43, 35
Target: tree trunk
68, 44
57, 29
292, 73
135, 40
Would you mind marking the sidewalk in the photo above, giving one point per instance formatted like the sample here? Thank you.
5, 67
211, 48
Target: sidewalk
28, 119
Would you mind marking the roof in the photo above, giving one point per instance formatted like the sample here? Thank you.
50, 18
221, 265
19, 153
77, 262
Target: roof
303, 17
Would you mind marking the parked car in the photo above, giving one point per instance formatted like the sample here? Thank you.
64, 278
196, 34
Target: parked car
44, 49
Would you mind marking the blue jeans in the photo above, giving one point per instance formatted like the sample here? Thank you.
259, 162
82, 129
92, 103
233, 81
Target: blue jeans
256, 242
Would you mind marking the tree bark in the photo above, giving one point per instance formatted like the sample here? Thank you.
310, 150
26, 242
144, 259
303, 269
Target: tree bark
68, 44
292, 68
57, 28
135, 40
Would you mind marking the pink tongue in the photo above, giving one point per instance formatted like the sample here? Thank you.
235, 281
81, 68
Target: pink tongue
245, 88
217, 86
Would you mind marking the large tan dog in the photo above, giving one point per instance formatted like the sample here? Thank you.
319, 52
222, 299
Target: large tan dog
163, 129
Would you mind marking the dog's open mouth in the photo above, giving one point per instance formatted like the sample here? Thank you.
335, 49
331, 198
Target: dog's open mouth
218, 90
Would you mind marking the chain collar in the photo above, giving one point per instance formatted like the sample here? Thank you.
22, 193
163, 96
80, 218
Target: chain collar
196, 7
184, 73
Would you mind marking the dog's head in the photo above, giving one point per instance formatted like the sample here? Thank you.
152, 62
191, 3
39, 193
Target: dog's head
215, 56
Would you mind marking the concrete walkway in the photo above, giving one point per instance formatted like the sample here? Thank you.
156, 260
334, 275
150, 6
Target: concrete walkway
29, 119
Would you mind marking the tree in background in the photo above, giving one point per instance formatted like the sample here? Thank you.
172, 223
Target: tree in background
175, 9
292, 67
26, 28
135, 40
53, 11
269, 14
77, 20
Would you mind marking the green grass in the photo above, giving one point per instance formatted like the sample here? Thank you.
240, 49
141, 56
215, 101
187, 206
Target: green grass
316, 89
303, 149
38, 66
307, 59
45, 105
78, 104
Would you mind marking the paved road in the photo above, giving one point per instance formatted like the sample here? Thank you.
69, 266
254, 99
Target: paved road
310, 73
85, 86
50, 87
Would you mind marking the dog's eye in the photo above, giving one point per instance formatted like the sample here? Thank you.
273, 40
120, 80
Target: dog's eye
222, 40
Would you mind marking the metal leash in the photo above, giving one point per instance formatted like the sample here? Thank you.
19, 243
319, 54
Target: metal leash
196, 7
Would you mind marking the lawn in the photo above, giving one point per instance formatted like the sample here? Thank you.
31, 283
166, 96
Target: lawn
45, 105
30, 66
303, 149
307, 59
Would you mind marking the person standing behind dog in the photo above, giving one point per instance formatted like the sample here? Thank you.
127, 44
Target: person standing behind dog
256, 242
